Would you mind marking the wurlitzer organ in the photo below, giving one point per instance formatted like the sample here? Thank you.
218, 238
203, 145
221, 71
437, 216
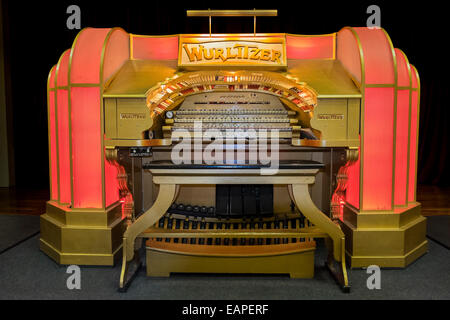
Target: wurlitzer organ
344, 107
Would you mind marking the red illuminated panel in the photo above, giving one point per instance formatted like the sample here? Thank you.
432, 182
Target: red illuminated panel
86, 147
116, 52
52, 136
310, 47
378, 59
402, 127
155, 48
52, 146
413, 135
413, 148
378, 155
353, 174
401, 147
87, 52
63, 146
111, 184
63, 70
348, 52
403, 69
51, 78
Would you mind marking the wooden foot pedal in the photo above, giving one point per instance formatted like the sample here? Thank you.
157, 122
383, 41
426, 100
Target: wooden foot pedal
295, 259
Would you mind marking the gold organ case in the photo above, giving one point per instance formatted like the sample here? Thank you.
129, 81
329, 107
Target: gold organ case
228, 217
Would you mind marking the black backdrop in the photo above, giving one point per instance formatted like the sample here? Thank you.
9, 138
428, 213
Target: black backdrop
35, 36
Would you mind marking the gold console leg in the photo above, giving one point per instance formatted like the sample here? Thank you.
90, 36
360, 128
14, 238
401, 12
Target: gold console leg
336, 242
131, 260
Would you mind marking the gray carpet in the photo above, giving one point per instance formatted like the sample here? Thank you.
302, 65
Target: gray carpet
15, 228
27, 273
438, 229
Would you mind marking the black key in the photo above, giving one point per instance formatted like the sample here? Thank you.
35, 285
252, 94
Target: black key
252, 240
218, 240
160, 225
226, 241
161, 222
177, 226
285, 226
268, 227
186, 227
210, 226
294, 223
202, 226
277, 226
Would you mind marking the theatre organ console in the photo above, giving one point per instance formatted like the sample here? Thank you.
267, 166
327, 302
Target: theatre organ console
233, 153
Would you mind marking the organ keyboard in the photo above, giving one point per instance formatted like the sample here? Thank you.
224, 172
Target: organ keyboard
233, 114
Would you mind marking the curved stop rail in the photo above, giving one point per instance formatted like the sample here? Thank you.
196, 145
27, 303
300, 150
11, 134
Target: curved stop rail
169, 178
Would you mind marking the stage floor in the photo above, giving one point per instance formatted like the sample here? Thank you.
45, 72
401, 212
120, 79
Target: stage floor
27, 273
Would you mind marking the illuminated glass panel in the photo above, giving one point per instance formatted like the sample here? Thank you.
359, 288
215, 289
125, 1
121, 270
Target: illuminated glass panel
348, 53
87, 56
304, 47
111, 183
401, 147
353, 174
86, 147
63, 146
52, 146
117, 51
155, 48
378, 59
413, 148
377, 155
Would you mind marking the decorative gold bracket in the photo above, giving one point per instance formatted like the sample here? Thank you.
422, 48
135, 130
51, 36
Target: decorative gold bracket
232, 13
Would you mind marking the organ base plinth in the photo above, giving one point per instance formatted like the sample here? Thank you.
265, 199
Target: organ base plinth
387, 239
82, 237
295, 259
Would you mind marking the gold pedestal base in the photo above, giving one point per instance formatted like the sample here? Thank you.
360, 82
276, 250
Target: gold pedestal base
387, 239
294, 259
82, 236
